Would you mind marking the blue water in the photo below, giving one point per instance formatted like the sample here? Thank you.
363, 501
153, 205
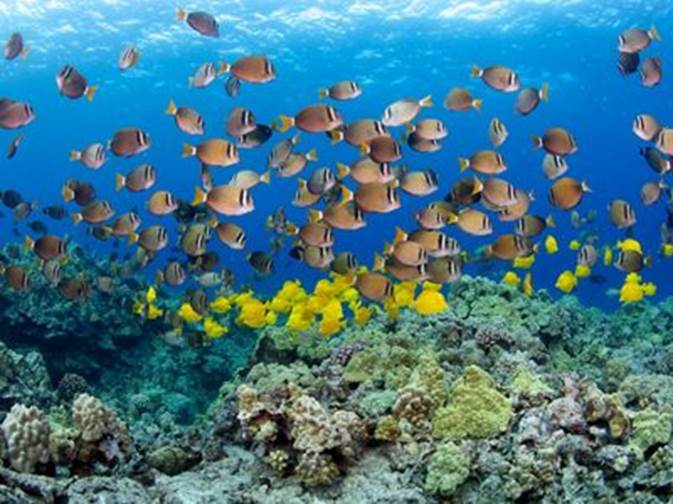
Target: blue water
394, 50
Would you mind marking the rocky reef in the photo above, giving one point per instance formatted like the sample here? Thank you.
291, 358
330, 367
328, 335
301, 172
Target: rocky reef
501, 398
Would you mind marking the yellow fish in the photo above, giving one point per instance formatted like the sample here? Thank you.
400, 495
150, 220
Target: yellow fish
667, 249
430, 300
574, 245
528, 284
188, 314
582, 271
551, 245
213, 329
153, 311
649, 289
631, 292
566, 282
524, 262
220, 305
630, 245
607, 256
151, 295
512, 279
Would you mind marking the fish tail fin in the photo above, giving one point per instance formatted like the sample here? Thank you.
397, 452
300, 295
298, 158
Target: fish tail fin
463, 164
342, 171
77, 218
180, 14
477, 103
120, 182
400, 235
323, 93
75, 155
550, 221
312, 155
283, 123
346, 195
451, 217
90, 92
409, 129
199, 196
585, 186
67, 193
223, 67
266, 177
379, 263
537, 142
654, 33
172, 108
133, 237
28, 243
364, 149
188, 150
314, 215
291, 229
478, 186
488, 251
24, 53
335, 136
388, 249
544, 92
426, 101
476, 72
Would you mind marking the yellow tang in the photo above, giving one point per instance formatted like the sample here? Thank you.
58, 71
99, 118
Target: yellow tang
512, 279
575, 245
528, 284
430, 300
213, 329
630, 245
188, 314
607, 256
220, 305
524, 262
667, 249
566, 281
582, 271
551, 245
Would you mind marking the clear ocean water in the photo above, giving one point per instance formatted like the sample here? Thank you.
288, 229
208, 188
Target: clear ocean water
393, 50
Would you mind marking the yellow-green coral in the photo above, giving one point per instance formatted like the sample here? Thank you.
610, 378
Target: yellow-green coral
651, 428
448, 468
528, 384
475, 408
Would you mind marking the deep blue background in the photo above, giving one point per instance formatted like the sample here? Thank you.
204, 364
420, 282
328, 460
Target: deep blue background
393, 54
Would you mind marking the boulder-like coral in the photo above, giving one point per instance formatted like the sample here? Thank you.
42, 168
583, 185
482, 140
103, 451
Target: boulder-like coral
99, 425
448, 468
415, 407
317, 469
26, 431
475, 409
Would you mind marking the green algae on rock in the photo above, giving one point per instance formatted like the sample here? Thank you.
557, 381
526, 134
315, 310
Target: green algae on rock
475, 408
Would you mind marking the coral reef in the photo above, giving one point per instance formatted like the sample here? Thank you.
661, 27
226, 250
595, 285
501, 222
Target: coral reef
501, 397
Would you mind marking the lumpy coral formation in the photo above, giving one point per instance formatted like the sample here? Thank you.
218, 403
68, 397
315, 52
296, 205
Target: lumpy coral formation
475, 409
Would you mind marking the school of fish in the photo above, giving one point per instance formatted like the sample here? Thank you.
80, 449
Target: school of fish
337, 199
